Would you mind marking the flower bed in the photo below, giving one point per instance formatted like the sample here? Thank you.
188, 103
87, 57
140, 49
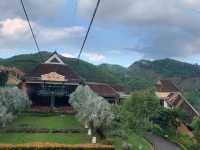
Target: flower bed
55, 146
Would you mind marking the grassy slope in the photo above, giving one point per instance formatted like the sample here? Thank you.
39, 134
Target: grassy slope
44, 121
51, 122
58, 121
20, 138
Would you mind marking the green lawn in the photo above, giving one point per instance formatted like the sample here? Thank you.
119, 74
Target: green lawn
45, 121
20, 138
50, 121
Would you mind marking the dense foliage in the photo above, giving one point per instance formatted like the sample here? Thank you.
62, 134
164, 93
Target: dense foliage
3, 78
196, 127
12, 102
193, 96
136, 112
139, 108
91, 108
168, 124
167, 119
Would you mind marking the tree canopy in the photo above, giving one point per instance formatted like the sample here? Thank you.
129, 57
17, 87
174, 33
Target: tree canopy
91, 108
137, 110
11, 103
196, 127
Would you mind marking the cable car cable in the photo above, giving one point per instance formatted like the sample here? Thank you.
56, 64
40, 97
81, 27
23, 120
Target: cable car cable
90, 25
31, 29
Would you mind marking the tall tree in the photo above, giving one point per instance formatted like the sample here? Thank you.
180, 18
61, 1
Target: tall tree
12, 102
139, 108
91, 108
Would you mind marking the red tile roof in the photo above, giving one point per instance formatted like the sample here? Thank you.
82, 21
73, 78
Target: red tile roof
103, 90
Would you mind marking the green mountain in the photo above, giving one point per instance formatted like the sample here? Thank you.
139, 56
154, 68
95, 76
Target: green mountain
140, 75
90, 72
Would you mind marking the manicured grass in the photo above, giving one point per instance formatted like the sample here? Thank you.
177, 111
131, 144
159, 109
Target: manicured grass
20, 138
45, 121
50, 121
54, 121
138, 142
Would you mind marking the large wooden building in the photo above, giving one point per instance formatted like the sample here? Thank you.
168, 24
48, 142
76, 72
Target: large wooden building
52, 82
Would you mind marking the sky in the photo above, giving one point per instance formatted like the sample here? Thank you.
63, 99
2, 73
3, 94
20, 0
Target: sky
123, 31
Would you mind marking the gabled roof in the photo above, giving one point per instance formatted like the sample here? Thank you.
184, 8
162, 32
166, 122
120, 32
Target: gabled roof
60, 69
54, 59
103, 90
55, 64
166, 86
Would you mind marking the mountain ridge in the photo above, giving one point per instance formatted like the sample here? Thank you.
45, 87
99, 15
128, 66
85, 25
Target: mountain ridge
141, 74
138, 73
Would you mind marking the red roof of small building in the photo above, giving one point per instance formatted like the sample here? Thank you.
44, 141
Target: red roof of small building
103, 89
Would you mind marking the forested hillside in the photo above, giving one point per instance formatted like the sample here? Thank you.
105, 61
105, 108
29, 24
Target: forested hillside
140, 75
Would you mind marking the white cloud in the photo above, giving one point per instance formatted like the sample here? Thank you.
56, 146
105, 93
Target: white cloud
60, 33
13, 26
15, 32
69, 55
94, 57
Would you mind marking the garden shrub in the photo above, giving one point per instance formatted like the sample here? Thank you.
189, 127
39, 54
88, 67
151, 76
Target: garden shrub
12, 102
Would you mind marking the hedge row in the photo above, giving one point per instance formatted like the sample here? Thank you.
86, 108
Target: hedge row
55, 146
38, 130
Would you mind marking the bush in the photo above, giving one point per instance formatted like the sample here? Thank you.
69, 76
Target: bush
12, 102
167, 119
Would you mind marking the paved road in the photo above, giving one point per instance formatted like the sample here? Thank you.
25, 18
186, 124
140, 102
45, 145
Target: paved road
160, 143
